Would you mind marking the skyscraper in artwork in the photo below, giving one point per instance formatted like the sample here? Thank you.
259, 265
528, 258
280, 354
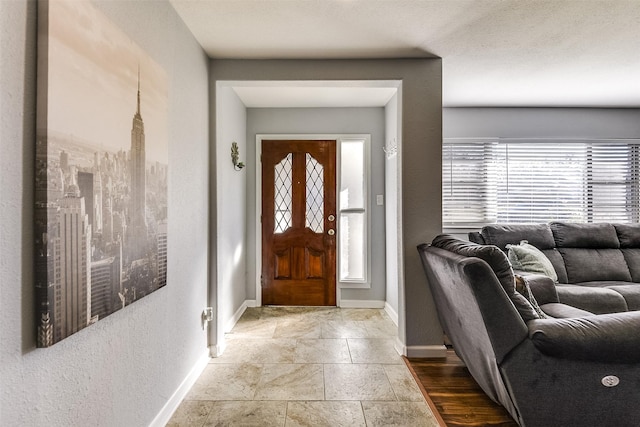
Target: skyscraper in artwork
137, 240
73, 291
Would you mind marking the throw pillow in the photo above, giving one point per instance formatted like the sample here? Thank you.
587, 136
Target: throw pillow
522, 286
526, 257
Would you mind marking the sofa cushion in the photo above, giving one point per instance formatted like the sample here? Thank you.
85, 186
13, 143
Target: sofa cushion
632, 257
609, 338
594, 299
628, 235
558, 263
563, 311
573, 235
528, 258
538, 235
498, 262
630, 292
589, 265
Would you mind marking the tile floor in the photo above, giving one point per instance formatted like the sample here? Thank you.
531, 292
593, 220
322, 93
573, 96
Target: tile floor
296, 366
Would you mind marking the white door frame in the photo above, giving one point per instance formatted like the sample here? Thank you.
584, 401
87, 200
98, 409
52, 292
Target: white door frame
258, 236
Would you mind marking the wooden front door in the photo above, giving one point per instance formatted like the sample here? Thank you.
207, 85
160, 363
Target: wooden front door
299, 223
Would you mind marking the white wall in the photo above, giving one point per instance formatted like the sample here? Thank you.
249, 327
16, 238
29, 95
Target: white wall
122, 370
232, 210
324, 121
392, 138
541, 122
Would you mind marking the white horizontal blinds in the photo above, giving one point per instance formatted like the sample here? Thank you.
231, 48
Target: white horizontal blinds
469, 182
612, 192
525, 181
541, 182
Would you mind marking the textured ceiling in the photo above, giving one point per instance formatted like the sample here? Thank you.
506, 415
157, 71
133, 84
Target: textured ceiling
495, 52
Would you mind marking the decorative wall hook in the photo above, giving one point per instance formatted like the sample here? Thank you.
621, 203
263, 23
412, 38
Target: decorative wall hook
234, 156
391, 149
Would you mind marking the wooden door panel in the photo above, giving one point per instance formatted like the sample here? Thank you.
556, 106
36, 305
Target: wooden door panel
283, 264
315, 262
298, 198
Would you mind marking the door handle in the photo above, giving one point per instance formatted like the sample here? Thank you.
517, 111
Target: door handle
331, 232
331, 218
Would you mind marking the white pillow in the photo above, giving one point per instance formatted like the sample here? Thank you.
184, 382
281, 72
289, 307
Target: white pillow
526, 257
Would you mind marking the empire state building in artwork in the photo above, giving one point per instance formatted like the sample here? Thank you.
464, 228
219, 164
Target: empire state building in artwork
137, 241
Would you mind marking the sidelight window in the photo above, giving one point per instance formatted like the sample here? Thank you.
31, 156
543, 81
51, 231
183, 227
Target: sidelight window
353, 211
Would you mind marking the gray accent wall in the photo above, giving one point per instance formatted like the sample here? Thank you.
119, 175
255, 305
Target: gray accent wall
124, 369
541, 122
419, 162
324, 121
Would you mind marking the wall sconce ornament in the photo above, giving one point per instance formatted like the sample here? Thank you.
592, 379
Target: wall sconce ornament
391, 149
235, 154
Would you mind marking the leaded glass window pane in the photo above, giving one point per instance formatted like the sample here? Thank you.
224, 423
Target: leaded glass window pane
314, 218
283, 194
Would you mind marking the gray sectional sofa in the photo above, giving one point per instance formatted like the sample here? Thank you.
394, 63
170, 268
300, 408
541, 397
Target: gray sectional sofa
582, 370
597, 265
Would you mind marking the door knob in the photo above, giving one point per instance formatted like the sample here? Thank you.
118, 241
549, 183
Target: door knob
331, 218
331, 232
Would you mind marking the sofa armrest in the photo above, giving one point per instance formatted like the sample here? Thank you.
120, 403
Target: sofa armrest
608, 338
542, 287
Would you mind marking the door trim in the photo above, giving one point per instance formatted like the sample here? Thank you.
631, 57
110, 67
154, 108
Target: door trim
258, 201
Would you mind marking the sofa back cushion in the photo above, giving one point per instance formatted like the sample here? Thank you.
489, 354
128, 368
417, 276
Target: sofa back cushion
573, 235
538, 235
558, 263
591, 252
498, 262
590, 265
628, 235
632, 257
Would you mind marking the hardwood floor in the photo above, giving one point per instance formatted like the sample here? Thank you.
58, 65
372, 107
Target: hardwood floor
454, 396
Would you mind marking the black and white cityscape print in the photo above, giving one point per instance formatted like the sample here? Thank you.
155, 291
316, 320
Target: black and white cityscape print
101, 171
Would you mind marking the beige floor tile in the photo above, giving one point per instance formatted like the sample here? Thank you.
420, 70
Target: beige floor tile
191, 413
252, 313
325, 414
356, 382
381, 329
322, 351
253, 328
398, 414
258, 351
361, 314
226, 382
247, 414
291, 382
403, 384
307, 366
344, 329
295, 328
374, 350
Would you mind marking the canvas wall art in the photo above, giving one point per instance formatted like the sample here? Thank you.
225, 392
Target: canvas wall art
101, 170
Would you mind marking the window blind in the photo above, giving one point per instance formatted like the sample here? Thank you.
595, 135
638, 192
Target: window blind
526, 181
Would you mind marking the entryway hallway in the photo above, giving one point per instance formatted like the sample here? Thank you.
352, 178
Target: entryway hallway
301, 366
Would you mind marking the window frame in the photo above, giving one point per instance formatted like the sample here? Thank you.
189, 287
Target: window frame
365, 211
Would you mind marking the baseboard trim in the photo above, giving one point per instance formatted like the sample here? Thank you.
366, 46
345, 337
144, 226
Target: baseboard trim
391, 312
429, 351
238, 314
356, 303
176, 398
400, 347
